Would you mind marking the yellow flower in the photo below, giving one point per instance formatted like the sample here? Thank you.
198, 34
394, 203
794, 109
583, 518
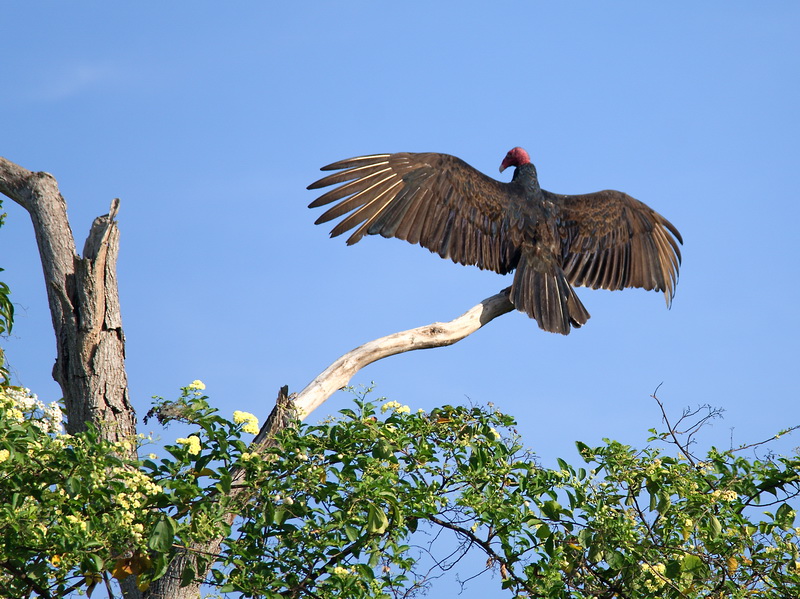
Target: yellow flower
250, 428
726, 495
239, 417
196, 385
390, 405
250, 421
4, 453
193, 442
76, 520
396, 406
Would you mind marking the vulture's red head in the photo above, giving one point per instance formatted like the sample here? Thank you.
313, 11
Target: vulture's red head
515, 157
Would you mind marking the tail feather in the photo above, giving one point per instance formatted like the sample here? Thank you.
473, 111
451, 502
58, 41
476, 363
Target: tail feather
542, 291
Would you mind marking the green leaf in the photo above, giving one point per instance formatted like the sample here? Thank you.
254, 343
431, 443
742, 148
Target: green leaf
549, 546
664, 502
585, 538
72, 485
187, 576
351, 532
785, 515
94, 563
544, 532
163, 535
280, 516
584, 450
383, 449
715, 528
225, 483
412, 524
377, 521
551, 509
615, 559
691, 563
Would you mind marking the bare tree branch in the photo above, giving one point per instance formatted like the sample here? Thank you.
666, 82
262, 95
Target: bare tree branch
438, 334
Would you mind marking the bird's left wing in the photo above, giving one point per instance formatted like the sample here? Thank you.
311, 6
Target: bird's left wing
612, 241
435, 200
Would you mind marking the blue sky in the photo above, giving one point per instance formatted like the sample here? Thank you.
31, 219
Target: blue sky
209, 122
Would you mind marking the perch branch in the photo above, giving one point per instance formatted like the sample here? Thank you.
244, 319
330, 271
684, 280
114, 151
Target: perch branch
438, 334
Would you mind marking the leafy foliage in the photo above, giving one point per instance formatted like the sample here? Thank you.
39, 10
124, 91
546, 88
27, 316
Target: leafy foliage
379, 502
70, 507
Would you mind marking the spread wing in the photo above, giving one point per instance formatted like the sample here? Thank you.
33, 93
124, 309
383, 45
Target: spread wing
435, 200
611, 241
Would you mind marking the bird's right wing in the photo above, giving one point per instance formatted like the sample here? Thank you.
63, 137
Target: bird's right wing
435, 200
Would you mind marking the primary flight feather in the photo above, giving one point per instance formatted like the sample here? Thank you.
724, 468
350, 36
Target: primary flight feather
605, 240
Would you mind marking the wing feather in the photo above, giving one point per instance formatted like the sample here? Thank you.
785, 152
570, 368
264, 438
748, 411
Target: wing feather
435, 200
362, 194
610, 240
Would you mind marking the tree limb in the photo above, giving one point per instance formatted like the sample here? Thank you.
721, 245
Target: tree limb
438, 334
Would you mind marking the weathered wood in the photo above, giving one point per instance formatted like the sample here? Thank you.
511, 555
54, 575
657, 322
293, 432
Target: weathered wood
438, 334
84, 304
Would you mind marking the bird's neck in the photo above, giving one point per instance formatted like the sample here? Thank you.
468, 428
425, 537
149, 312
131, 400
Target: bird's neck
526, 176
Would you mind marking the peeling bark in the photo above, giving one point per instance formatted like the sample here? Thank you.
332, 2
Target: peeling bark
84, 305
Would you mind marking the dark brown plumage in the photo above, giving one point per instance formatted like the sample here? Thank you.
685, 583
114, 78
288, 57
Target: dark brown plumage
604, 240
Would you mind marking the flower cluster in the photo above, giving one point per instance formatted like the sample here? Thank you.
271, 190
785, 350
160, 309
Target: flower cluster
250, 422
725, 495
19, 403
192, 442
396, 406
656, 578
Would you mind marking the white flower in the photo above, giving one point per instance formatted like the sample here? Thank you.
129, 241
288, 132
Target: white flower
54, 414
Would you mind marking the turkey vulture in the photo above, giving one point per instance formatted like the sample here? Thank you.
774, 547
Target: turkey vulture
605, 240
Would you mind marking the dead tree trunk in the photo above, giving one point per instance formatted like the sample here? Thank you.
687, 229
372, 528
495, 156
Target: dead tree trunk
90, 344
84, 305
